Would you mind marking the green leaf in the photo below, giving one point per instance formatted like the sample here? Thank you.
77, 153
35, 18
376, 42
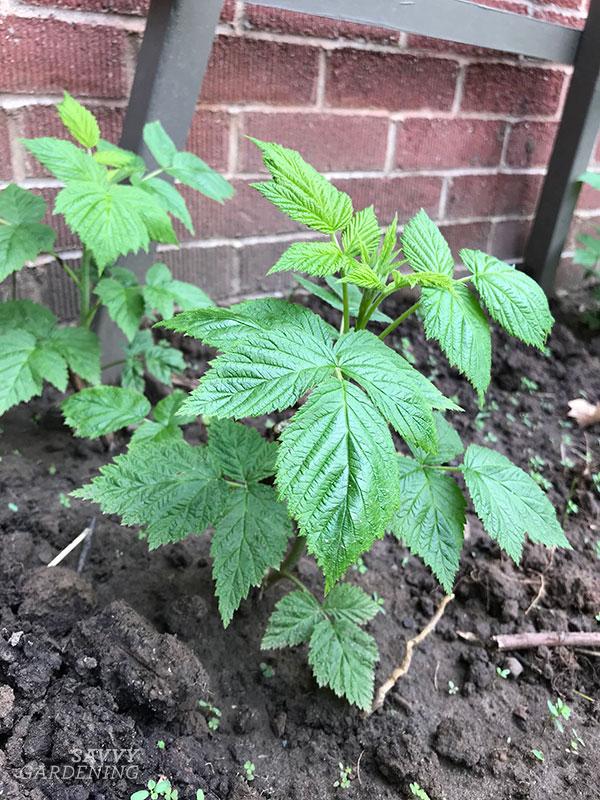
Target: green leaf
157, 221
81, 350
292, 621
80, 122
251, 537
334, 299
160, 144
22, 237
173, 489
37, 320
192, 171
449, 444
364, 276
242, 453
454, 318
113, 156
388, 252
314, 258
124, 303
162, 361
592, 179
364, 358
363, 231
150, 431
509, 502
132, 374
18, 380
337, 468
141, 795
301, 192
268, 371
162, 292
425, 247
103, 409
48, 363
165, 425
431, 518
166, 410
343, 657
348, 602
513, 299
589, 254
64, 160
170, 199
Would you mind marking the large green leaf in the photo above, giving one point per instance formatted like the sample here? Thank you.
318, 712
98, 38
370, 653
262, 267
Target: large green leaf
242, 453
513, 299
65, 161
162, 292
192, 171
314, 258
348, 602
80, 122
337, 468
425, 247
123, 300
454, 318
81, 350
301, 192
170, 199
509, 502
104, 409
159, 143
293, 621
18, 380
37, 320
431, 518
22, 237
249, 538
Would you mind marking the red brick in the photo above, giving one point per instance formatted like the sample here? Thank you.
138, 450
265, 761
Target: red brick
530, 144
492, 195
139, 7
361, 79
559, 18
214, 269
405, 195
448, 143
209, 138
506, 89
244, 70
589, 198
5, 156
44, 121
596, 156
38, 55
571, 4
255, 262
275, 20
473, 235
329, 142
509, 238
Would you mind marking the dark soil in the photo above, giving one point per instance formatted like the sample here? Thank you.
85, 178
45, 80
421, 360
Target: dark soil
115, 658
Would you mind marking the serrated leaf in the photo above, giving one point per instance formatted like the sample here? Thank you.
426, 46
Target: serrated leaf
350, 603
80, 122
509, 502
242, 453
22, 237
512, 298
454, 318
162, 361
192, 171
589, 254
173, 489
48, 363
334, 299
381, 372
313, 258
160, 144
265, 372
124, 303
337, 469
301, 192
37, 320
114, 156
388, 252
161, 292
165, 425
81, 350
103, 409
165, 410
363, 231
132, 374
251, 536
425, 247
364, 276
343, 657
449, 444
292, 621
18, 381
431, 518
158, 223
170, 199
64, 160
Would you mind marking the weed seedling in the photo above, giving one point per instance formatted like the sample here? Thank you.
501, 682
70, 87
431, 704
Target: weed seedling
539, 755
559, 712
597, 548
157, 789
575, 743
249, 770
161, 744
13, 507
200, 795
360, 566
527, 385
502, 673
267, 670
64, 500
416, 791
52, 469
212, 713
345, 773
452, 688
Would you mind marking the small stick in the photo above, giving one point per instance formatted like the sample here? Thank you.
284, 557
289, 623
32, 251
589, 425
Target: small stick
527, 641
70, 547
403, 668
87, 546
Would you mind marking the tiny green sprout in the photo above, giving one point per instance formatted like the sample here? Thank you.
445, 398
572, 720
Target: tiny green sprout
404, 561
452, 688
541, 481
572, 507
161, 744
559, 711
249, 769
575, 743
596, 480
380, 602
360, 566
527, 385
52, 469
539, 755
13, 507
199, 794
597, 548
502, 673
343, 782
157, 789
267, 670
212, 713
64, 500
416, 791
536, 461
526, 420
597, 617
491, 437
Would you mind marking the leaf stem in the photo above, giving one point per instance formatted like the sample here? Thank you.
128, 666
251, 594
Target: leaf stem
444, 468
399, 320
152, 174
60, 261
113, 363
85, 289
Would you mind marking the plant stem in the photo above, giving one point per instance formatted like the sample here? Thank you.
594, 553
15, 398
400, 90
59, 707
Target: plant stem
399, 320
346, 318
113, 363
85, 289
445, 469
152, 174
297, 582
288, 563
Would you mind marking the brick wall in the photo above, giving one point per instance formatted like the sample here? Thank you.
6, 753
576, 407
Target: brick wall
399, 120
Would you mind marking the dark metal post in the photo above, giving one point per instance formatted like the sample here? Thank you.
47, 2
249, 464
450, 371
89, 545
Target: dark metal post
570, 157
168, 76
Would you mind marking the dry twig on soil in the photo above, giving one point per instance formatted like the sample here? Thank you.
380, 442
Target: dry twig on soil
528, 641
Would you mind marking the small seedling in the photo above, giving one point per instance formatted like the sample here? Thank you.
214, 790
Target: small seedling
360, 566
597, 548
379, 601
343, 782
13, 507
597, 617
199, 794
575, 743
267, 670
249, 770
52, 469
157, 789
539, 755
572, 507
161, 744
527, 385
213, 715
491, 437
502, 673
559, 711
541, 481
452, 688
416, 791
64, 500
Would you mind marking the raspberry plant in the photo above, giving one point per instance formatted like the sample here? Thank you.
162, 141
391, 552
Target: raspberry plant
336, 469
115, 206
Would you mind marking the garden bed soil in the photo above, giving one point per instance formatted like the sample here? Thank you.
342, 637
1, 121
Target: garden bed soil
115, 658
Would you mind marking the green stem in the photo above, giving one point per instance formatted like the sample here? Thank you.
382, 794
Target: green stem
85, 288
66, 268
236, 484
113, 363
399, 320
297, 582
152, 174
346, 317
295, 554
466, 279
445, 469
92, 312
